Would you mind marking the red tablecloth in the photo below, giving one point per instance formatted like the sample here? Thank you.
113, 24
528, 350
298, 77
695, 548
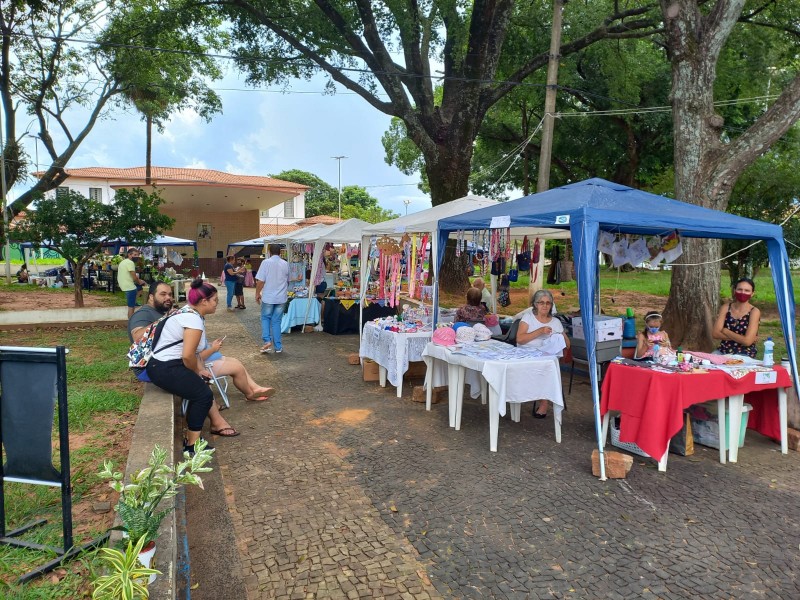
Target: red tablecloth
652, 403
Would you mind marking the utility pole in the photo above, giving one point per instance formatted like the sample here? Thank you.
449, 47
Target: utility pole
339, 159
543, 183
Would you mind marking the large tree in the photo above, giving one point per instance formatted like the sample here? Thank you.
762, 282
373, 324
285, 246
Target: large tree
708, 157
76, 226
389, 53
159, 53
65, 63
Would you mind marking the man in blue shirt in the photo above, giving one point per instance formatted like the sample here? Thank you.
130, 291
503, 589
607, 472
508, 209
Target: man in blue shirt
272, 289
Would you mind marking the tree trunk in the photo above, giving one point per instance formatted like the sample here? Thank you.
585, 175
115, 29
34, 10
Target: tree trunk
453, 277
448, 172
78, 283
694, 297
148, 150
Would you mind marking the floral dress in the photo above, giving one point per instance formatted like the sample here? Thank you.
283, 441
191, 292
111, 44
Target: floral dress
737, 326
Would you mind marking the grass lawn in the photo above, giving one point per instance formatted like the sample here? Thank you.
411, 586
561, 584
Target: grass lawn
103, 398
644, 290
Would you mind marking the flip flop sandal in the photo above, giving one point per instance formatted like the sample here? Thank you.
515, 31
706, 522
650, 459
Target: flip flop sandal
224, 432
263, 396
266, 348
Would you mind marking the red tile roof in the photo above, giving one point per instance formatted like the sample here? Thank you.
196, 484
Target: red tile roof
324, 219
272, 229
175, 175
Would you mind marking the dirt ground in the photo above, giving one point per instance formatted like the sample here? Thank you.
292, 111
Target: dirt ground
46, 299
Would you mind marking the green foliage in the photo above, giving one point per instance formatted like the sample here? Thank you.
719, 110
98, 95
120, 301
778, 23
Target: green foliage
76, 226
321, 197
175, 77
127, 578
140, 498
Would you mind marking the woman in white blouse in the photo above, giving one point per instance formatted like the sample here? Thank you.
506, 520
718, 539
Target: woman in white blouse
535, 329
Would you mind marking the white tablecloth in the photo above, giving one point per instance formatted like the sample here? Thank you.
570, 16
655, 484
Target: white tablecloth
296, 313
392, 350
515, 381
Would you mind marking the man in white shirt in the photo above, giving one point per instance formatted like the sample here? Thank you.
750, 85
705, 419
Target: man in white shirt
129, 280
272, 289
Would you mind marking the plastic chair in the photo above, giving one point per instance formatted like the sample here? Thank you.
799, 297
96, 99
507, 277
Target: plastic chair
510, 337
221, 383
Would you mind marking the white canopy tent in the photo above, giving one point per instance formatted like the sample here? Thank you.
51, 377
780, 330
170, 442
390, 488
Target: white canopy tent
424, 221
346, 232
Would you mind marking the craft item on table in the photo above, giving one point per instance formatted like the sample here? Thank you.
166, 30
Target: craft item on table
459, 324
491, 320
482, 332
444, 336
619, 252
465, 335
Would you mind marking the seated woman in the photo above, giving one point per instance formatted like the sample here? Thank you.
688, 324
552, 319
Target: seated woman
473, 311
175, 366
535, 329
737, 322
61, 279
22, 274
652, 334
226, 365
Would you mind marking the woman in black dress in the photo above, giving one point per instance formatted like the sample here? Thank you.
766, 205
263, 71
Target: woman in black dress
737, 321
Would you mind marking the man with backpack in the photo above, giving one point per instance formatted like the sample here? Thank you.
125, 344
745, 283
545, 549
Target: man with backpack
159, 303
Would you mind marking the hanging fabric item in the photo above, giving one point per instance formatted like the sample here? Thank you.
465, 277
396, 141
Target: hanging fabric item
412, 267
524, 257
513, 273
535, 257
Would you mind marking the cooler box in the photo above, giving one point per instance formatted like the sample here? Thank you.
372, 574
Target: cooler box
604, 351
605, 328
705, 425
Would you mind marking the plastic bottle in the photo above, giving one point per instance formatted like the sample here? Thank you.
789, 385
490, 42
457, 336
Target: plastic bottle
656, 350
629, 326
680, 354
769, 358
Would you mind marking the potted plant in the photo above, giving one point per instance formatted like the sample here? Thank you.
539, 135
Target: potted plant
140, 498
125, 578
115, 260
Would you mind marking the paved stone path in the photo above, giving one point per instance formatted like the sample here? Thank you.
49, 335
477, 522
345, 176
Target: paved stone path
338, 489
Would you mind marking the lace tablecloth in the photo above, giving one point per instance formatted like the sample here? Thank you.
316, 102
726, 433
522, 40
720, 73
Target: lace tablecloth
392, 350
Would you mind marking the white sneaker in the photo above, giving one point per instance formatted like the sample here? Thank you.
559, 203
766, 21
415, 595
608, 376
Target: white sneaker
278, 351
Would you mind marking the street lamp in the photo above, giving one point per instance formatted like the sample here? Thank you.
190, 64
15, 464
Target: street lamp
407, 201
339, 158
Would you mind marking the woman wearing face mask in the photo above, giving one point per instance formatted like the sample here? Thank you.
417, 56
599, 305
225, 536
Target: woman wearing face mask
737, 322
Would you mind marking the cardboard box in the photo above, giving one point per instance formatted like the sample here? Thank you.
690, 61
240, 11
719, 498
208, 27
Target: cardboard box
416, 370
370, 370
605, 328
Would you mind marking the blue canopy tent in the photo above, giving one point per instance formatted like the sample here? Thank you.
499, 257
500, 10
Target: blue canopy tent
587, 207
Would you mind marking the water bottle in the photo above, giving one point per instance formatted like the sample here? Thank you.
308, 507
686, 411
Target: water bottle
656, 350
629, 326
769, 346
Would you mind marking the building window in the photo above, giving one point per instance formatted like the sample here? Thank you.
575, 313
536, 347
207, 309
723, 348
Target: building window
96, 194
288, 209
62, 191
264, 214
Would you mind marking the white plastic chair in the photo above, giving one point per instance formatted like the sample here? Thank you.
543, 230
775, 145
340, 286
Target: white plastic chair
221, 383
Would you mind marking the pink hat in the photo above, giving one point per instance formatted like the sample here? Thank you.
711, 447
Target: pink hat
491, 320
444, 336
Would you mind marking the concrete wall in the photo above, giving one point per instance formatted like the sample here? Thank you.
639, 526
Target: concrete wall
226, 227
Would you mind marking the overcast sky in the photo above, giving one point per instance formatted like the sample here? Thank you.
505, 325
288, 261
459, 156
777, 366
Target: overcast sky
263, 133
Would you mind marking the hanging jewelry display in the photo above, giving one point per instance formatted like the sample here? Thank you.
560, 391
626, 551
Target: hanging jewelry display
412, 267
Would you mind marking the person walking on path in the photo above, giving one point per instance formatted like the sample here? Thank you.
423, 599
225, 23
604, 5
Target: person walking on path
128, 279
230, 272
272, 289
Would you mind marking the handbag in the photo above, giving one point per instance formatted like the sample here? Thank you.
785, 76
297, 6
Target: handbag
513, 274
498, 266
524, 257
503, 296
